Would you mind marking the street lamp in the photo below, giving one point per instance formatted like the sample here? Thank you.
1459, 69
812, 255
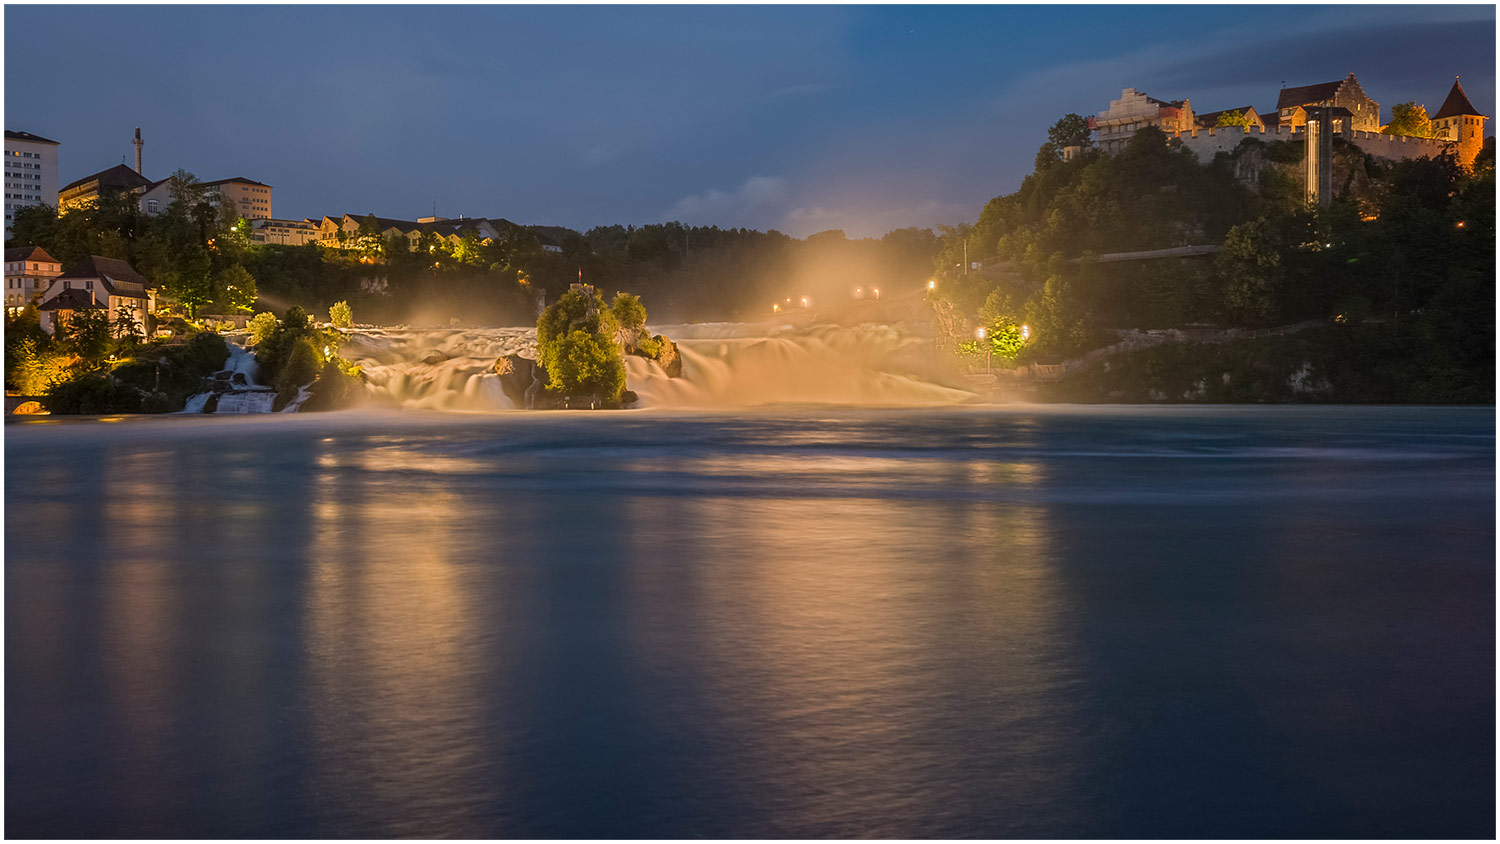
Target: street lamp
804, 301
877, 293
1025, 332
931, 284
988, 347
775, 307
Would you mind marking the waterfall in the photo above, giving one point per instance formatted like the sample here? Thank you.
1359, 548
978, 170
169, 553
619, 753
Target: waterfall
197, 402
235, 386
723, 365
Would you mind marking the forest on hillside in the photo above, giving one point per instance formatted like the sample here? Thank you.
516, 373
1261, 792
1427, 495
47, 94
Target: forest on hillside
200, 255
1403, 256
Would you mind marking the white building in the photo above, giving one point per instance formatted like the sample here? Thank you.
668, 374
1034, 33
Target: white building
284, 232
252, 199
29, 271
1114, 127
98, 283
30, 172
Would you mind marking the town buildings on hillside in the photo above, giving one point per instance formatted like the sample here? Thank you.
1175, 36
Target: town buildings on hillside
343, 232
252, 199
30, 172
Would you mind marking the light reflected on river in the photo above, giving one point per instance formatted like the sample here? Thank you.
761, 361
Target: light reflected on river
808, 625
393, 642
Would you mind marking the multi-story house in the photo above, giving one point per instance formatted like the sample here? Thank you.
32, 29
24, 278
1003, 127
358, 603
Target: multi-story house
98, 283
252, 199
1292, 104
1134, 110
30, 172
86, 191
284, 232
29, 270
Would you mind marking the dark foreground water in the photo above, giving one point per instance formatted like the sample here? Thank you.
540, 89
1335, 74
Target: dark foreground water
1245, 622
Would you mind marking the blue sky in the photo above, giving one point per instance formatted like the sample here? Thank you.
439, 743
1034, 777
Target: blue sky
797, 118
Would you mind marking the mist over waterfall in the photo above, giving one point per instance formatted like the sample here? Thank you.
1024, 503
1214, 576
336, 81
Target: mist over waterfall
723, 365
437, 369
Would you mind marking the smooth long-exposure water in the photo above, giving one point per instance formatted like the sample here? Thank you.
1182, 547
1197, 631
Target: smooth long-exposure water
1164, 622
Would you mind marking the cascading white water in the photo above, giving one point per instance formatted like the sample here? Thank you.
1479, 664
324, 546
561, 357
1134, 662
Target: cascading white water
242, 396
437, 369
723, 365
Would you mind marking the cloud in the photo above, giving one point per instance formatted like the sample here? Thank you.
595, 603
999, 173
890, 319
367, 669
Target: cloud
757, 195
599, 154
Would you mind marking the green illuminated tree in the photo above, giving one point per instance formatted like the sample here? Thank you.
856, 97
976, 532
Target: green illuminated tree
261, 326
234, 289
340, 315
630, 316
1410, 118
576, 345
1233, 118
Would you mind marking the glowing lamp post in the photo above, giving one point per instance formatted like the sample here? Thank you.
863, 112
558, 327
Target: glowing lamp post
932, 284
877, 293
775, 307
804, 301
979, 334
1025, 332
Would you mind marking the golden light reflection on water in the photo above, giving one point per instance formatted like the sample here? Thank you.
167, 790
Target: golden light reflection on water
138, 619
827, 624
392, 637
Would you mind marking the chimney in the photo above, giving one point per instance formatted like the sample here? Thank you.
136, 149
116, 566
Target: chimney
138, 144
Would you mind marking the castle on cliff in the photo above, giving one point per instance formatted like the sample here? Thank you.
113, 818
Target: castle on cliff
1349, 112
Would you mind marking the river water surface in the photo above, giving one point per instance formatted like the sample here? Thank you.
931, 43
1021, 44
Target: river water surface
804, 622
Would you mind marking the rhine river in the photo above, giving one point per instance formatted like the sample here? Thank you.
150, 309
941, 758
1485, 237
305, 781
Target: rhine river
800, 622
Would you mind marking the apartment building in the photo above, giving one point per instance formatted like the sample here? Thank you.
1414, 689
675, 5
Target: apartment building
30, 172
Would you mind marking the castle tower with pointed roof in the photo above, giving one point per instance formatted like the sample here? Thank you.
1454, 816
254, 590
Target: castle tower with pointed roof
1459, 121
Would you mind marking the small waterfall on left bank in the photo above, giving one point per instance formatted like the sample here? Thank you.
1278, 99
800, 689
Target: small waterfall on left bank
234, 388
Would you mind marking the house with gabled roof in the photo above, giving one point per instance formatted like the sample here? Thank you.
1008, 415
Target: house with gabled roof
28, 272
85, 191
98, 283
1292, 103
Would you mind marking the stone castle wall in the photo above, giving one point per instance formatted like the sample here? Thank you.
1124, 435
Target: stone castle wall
1206, 143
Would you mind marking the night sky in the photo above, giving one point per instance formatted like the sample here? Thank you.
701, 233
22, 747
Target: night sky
795, 118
